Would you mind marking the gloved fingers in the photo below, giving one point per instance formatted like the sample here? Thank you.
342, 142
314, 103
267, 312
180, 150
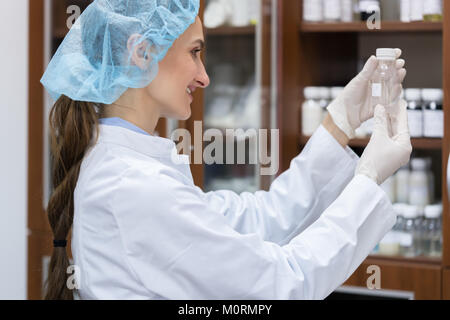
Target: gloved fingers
396, 92
399, 63
369, 68
401, 74
398, 53
381, 121
399, 119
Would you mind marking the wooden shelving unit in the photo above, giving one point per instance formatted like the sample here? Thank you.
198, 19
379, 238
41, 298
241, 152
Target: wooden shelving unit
419, 143
386, 26
325, 54
230, 31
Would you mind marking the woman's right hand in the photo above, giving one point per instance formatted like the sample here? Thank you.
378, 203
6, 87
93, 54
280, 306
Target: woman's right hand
384, 154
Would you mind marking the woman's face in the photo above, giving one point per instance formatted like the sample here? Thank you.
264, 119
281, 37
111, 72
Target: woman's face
180, 73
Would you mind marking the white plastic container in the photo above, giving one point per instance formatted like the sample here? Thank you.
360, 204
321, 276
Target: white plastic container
311, 111
332, 10
417, 7
415, 112
419, 193
346, 10
433, 114
402, 185
405, 10
312, 10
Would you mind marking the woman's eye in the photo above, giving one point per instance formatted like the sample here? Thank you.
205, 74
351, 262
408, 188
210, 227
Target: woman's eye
195, 52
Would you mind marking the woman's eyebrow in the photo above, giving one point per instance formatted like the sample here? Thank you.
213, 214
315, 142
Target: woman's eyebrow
200, 42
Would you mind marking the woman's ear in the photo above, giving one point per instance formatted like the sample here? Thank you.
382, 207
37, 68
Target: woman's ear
139, 51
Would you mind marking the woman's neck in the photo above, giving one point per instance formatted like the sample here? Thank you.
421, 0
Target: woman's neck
133, 106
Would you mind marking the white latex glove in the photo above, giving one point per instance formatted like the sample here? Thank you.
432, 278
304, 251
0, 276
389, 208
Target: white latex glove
384, 155
354, 105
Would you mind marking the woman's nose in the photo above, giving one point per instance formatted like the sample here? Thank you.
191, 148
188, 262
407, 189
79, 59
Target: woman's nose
203, 78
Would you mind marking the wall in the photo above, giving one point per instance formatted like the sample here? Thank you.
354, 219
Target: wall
13, 143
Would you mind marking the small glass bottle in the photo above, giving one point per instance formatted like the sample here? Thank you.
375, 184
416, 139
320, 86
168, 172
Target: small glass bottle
433, 114
402, 184
410, 214
311, 111
432, 243
432, 10
381, 82
415, 112
419, 193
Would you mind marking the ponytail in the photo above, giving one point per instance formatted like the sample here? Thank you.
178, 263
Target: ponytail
72, 126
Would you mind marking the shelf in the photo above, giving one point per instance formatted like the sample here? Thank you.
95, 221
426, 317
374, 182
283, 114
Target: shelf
231, 31
404, 260
421, 143
386, 26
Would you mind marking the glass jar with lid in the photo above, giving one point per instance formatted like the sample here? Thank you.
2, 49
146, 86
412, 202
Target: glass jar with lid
433, 114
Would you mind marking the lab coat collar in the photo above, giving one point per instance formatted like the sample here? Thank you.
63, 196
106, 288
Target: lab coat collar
153, 146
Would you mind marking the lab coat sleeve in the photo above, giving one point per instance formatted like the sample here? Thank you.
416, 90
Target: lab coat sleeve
296, 198
179, 248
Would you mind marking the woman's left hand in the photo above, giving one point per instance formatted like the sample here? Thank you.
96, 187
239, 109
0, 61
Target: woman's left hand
354, 105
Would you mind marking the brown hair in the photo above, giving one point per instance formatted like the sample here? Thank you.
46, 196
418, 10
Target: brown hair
72, 127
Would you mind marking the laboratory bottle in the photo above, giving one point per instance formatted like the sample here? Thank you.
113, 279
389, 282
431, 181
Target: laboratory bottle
332, 10
432, 10
381, 82
346, 10
402, 184
405, 10
433, 114
410, 215
415, 112
432, 225
368, 7
430, 180
325, 96
419, 193
311, 111
416, 8
312, 10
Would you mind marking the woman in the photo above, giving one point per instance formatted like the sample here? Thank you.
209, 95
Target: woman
142, 230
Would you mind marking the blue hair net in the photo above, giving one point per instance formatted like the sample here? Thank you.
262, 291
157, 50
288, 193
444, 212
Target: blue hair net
94, 62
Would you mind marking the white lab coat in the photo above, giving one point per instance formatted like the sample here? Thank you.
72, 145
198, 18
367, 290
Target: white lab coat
143, 230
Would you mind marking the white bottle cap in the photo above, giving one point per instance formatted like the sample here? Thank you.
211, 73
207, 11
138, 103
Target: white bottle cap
436, 95
411, 212
325, 93
335, 91
413, 94
311, 93
433, 211
399, 208
386, 54
419, 164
